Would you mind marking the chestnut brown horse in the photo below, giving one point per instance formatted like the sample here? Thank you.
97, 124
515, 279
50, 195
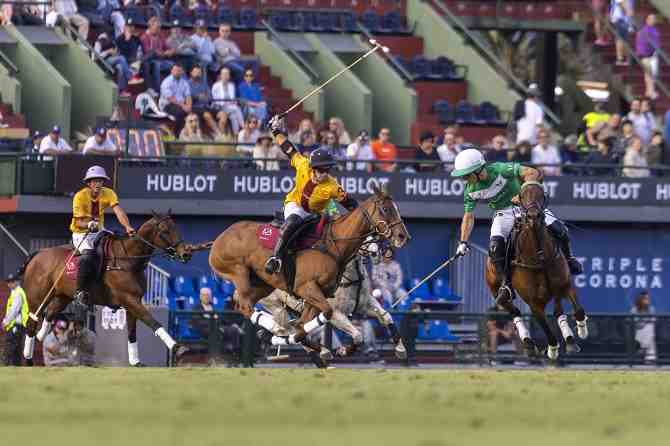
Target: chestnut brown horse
539, 273
237, 256
123, 282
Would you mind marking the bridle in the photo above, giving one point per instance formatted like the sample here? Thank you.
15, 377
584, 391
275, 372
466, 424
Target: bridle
539, 206
538, 228
171, 250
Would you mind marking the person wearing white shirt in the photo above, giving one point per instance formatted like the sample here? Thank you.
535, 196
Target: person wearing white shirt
360, 150
266, 150
99, 144
53, 144
224, 97
545, 153
448, 150
526, 127
248, 136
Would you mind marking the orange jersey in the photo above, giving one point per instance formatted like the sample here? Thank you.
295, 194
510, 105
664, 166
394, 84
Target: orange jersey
83, 206
312, 197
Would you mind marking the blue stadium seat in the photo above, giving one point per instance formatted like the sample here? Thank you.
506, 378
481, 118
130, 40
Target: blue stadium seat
225, 15
296, 22
420, 67
191, 303
488, 113
442, 332
183, 285
464, 112
280, 21
219, 302
178, 12
248, 18
443, 110
441, 288
442, 68
391, 23
202, 12
327, 21
227, 288
423, 292
136, 14
184, 331
370, 20
208, 281
348, 22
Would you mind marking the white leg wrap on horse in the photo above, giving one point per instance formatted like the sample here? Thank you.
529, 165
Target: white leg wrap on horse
583, 329
44, 330
521, 328
264, 320
566, 331
315, 323
386, 319
166, 338
29, 347
133, 353
552, 351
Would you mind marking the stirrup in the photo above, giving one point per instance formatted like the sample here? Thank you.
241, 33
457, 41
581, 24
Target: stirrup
81, 297
504, 295
273, 265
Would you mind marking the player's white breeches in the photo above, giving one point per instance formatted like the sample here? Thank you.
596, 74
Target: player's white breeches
87, 240
295, 209
503, 221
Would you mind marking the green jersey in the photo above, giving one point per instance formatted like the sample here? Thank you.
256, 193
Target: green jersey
501, 184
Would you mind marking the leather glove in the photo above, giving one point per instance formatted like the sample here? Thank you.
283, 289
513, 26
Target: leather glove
462, 249
276, 124
92, 226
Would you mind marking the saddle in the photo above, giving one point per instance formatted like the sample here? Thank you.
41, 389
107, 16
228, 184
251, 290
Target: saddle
102, 246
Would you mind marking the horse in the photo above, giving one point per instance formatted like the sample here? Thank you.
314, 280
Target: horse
237, 255
122, 283
353, 296
539, 273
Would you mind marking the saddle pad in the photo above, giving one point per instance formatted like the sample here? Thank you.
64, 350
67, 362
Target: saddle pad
268, 235
72, 267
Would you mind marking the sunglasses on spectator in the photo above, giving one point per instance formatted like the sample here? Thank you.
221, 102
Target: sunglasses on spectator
248, 75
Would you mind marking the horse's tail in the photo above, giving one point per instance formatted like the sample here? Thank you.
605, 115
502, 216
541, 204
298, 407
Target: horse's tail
22, 268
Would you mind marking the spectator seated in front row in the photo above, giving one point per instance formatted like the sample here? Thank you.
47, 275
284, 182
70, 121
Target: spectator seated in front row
100, 144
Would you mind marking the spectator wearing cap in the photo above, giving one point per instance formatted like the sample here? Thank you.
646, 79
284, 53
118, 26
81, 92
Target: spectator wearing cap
385, 150
204, 46
36, 140
266, 150
181, 43
224, 97
175, 96
448, 150
498, 151
426, 152
528, 114
251, 96
156, 53
361, 151
546, 156
107, 50
15, 320
227, 52
67, 10
100, 144
53, 144
110, 10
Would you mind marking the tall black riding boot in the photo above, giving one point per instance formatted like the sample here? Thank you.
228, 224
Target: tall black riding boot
560, 232
498, 256
84, 275
273, 264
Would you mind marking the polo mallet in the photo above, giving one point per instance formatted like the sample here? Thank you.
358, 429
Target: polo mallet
36, 316
376, 46
427, 278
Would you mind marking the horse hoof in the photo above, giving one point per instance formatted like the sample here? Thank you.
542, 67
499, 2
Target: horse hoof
177, 352
400, 351
316, 359
552, 352
572, 346
326, 354
139, 364
341, 351
530, 348
29, 362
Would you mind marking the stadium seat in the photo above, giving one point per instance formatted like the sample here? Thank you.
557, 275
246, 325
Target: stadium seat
208, 281
280, 21
443, 110
227, 288
420, 67
348, 22
370, 20
391, 23
423, 292
296, 22
442, 332
191, 303
327, 21
225, 15
178, 12
184, 331
183, 286
248, 18
219, 302
464, 112
202, 12
442, 68
488, 113
136, 14
441, 288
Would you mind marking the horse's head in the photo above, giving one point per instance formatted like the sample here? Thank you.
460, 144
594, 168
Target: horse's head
385, 219
532, 200
162, 233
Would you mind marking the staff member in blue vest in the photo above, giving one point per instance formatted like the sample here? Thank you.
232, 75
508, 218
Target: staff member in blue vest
15, 321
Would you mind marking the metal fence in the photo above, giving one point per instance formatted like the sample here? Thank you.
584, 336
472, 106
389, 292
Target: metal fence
157, 286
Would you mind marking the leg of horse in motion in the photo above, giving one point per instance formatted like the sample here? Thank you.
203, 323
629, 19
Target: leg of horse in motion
566, 331
342, 322
493, 282
133, 351
312, 294
375, 309
580, 314
136, 310
541, 319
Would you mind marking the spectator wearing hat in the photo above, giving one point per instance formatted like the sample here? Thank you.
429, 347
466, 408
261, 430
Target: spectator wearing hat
426, 152
228, 53
266, 150
53, 144
35, 143
204, 47
448, 150
250, 94
99, 144
67, 10
14, 323
175, 96
385, 150
181, 43
528, 114
546, 156
156, 53
360, 151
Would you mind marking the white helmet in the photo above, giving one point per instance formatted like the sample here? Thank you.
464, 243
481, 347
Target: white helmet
468, 161
94, 172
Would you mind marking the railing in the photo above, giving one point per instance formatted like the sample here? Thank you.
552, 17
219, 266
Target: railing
82, 41
13, 69
157, 286
313, 75
13, 239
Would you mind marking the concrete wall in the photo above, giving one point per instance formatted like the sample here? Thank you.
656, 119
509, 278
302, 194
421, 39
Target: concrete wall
663, 6
11, 89
291, 74
346, 97
45, 94
440, 39
394, 104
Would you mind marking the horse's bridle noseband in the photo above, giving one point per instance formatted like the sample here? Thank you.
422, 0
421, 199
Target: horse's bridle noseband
535, 205
171, 250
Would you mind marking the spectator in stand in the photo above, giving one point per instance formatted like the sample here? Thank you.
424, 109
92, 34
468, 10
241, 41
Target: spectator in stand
156, 54
654, 152
336, 126
53, 144
228, 53
307, 143
645, 326
627, 132
634, 161
107, 50
248, 136
111, 11
224, 98
647, 110
251, 96
67, 10
647, 41
385, 150
643, 123
570, 155
175, 96
528, 114
183, 46
25, 15
202, 99
35, 143
546, 155
129, 45
264, 150
497, 153
621, 16
339, 153
224, 132
613, 130
99, 144
387, 276
600, 8
666, 138
14, 322
192, 131
426, 152
305, 125
521, 153
448, 150
360, 151
601, 157
204, 48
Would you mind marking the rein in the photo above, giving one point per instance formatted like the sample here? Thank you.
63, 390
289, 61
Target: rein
539, 262
170, 252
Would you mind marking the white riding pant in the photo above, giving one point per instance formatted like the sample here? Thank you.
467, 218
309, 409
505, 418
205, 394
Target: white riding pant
87, 240
503, 221
295, 209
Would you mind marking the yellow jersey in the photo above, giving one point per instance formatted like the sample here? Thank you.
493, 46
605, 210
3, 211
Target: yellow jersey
84, 206
312, 197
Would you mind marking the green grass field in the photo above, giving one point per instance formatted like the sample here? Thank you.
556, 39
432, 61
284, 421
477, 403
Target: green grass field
199, 406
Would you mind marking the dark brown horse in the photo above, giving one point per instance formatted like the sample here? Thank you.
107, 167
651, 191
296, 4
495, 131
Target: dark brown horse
539, 273
237, 256
123, 282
